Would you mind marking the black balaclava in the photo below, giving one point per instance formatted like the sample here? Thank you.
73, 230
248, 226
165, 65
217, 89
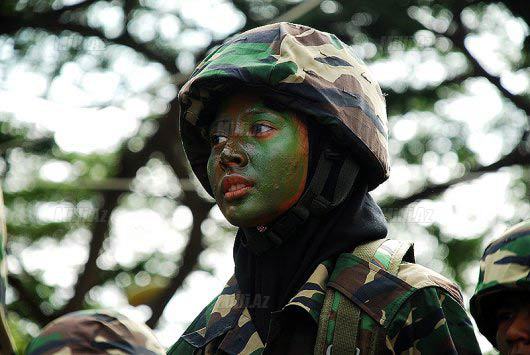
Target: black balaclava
278, 273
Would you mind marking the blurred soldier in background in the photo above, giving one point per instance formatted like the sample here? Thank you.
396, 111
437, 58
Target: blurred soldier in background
286, 128
95, 332
501, 303
6, 343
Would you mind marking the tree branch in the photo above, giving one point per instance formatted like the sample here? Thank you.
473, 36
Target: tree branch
52, 23
199, 207
191, 253
297, 11
398, 102
520, 155
458, 38
89, 276
29, 300
128, 164
78, 6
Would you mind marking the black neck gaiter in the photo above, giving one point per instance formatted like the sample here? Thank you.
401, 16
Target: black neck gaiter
277, 274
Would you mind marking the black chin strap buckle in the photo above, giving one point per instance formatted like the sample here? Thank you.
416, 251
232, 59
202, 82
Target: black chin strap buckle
261, 238
287, 224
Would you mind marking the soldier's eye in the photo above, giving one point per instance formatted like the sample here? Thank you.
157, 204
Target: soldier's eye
216, 139
504, 315
260, 128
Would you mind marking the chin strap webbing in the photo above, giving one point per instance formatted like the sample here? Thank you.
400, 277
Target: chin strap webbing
312, 202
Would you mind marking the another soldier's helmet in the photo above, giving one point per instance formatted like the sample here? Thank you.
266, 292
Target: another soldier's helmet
95, 332
505, 266
302, 69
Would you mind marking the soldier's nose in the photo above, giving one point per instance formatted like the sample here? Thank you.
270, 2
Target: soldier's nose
233, 155
519, 329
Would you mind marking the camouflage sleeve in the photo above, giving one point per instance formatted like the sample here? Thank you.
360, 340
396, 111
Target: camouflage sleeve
432, 319
182, 347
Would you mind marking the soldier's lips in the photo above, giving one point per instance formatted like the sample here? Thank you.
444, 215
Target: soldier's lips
235, 186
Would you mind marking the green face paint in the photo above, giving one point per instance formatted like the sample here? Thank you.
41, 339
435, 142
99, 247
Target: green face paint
258, 162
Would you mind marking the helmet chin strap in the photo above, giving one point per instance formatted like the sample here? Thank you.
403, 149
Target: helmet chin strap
311, 203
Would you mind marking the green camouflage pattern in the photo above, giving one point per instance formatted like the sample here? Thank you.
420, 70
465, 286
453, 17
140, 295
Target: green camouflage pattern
229, 314
6, 342
504, 266
418, 310
417, 298
95, 332
304, 69
379, 293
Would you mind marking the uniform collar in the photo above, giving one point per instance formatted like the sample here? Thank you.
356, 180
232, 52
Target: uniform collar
311, 295
230, 315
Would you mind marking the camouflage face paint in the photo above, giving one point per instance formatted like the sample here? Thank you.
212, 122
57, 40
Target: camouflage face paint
258, 163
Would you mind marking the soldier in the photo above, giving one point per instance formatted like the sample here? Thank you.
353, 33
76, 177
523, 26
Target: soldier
6, 342
286, 128
95, 332
501, 303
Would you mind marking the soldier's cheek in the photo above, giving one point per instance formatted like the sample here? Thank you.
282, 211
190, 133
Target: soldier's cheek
215, 172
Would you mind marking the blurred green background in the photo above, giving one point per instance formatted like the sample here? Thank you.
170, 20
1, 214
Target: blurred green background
102, 209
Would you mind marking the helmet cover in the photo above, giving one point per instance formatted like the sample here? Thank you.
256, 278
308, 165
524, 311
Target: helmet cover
505, 266
95, 332
303, 69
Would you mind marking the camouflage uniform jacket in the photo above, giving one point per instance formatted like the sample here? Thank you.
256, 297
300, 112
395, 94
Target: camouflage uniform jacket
421, 313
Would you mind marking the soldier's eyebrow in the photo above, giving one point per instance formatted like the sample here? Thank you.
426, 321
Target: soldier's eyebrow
263, 108
222, 123
260, 108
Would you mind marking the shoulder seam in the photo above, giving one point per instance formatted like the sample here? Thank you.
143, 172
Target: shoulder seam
429, 278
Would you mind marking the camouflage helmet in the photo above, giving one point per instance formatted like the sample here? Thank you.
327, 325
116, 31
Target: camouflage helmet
504, 266
95, 332
303, 69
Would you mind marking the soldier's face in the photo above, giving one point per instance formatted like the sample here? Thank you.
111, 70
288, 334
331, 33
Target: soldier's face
513, 325
258, 162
